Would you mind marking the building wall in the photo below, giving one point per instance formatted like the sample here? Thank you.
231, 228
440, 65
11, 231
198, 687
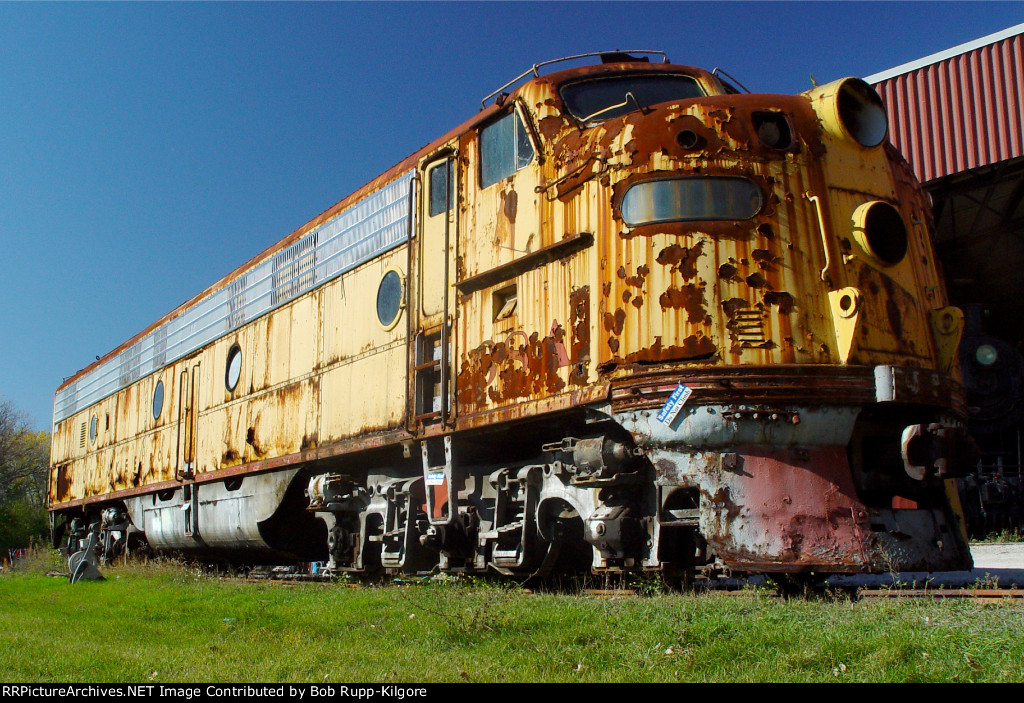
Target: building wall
959, 112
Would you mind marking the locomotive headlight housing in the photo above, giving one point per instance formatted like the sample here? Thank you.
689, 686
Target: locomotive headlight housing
861, 112
851, 108
773, 130
879, 229
986, 355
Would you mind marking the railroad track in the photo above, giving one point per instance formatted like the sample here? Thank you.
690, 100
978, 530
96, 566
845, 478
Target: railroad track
857, 593
975, 593
983, 594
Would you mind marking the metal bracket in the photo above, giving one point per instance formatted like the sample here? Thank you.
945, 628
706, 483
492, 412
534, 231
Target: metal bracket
439, 485
83, 564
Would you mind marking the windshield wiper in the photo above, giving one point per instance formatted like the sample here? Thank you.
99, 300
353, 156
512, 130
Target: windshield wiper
624, 103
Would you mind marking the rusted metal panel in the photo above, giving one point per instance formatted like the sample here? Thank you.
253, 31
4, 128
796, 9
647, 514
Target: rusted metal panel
540, 350
134, 450
534, 408
797, 512
351, 446
364, 397
959, 112
363, 364
771, 386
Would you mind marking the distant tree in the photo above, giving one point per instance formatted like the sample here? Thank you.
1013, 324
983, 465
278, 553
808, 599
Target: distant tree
24, 466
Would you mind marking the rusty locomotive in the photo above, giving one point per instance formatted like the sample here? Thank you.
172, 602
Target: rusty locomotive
624, 318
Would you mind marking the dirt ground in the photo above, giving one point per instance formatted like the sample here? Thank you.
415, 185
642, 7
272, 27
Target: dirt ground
995, 565
1005, 556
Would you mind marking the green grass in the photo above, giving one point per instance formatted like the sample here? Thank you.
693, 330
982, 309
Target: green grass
161, 622
1003, 536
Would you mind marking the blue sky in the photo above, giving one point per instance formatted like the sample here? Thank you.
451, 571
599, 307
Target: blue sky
146, 149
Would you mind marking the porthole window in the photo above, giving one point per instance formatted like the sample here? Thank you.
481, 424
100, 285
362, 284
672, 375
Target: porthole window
93, 426
158, 400
389, 299
233, 369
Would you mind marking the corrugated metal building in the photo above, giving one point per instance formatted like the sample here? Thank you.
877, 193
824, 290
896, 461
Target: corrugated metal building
958, 118
960, 109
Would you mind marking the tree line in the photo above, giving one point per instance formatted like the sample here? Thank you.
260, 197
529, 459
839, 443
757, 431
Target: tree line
24, 467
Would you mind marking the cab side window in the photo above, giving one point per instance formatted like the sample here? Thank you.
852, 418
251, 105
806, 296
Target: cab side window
504, 149
439, 198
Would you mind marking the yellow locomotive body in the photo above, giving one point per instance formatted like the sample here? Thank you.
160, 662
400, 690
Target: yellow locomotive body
624, 317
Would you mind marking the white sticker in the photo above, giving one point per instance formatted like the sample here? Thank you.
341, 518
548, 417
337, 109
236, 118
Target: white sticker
675, 403
435, 478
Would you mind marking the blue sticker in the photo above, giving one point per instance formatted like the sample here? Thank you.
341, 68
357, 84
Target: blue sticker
675, 403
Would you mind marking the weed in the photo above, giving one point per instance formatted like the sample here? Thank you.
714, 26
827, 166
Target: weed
646, 583
41, 560
1014, 535
987, 582
467, 609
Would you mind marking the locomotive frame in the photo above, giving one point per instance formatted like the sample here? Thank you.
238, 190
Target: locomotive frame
623, 318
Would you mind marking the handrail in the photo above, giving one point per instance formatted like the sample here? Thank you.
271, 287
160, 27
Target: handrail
816, 201
536, 66
728, 75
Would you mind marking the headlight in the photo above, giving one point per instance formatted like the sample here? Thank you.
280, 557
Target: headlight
861, 112
879, 228
773, 130
986, 355
850, 108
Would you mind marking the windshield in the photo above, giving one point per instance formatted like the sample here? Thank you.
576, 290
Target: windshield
604, 98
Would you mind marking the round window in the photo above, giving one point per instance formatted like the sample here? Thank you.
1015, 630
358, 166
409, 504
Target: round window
233, 371
389, 299
92, 429
158, 399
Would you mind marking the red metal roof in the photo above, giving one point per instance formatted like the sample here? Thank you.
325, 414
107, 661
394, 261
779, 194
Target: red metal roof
959, 109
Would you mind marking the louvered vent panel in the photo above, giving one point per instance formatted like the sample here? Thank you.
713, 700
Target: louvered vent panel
377, 223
